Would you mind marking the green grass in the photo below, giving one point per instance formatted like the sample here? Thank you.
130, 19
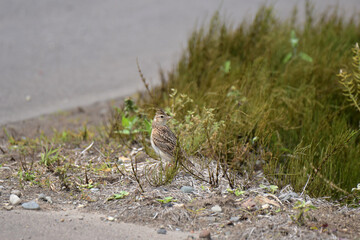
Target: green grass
239, 86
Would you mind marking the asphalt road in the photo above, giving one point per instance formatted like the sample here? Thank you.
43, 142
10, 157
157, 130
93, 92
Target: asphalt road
45, 225
56, 55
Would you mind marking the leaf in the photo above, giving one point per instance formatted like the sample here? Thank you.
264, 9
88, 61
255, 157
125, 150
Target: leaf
305, 57
238, 192
147, 125
125, 122
226, 67
262, 186
287, 57
166, 200
120, 195
293, 39
274, 188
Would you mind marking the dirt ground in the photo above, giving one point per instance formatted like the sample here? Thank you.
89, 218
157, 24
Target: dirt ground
258, 212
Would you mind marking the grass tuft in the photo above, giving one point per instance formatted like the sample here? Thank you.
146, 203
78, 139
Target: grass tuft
267, 94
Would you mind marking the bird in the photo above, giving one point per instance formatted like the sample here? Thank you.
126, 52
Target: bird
162, 139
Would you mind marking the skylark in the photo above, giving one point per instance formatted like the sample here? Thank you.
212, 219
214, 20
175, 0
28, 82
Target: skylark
163, 140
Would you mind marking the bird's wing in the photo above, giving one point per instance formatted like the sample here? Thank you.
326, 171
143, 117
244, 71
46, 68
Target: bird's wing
165, 139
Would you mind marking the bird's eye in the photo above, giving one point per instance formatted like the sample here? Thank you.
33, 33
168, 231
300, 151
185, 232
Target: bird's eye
162, 116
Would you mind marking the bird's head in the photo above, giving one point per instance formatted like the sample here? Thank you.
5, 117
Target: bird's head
161, 117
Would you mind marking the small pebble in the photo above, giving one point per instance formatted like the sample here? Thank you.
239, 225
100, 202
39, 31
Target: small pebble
16, 192
81, 218
42, 196
161, 231
14, 199
235, 219
8, 207
216, 208
48, 198
93, 190
179, 205
110, 218
31, 205
187, 189
265, 206
205, 234
211, 219
62, 220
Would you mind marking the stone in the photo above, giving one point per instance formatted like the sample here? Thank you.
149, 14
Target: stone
178, 205
205, 234
161, 231
93, 190
42, 196
48, 198
111, 219
211, 219
14, 199
8, 207
16, 192
216, 208
235, 219
187, 189
31, 205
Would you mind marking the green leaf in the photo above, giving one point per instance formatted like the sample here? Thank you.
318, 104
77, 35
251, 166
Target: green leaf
305, 57
147, 125
293, 39
166, 200
226, 67
287, 57
119, 195
125, 122
238, 192
273, 188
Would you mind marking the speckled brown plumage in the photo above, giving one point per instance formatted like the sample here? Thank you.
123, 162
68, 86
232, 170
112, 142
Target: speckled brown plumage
163, 140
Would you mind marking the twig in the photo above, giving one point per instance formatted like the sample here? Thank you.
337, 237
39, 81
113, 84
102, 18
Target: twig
100, 152
134, 169
117, 167
3, 151
305, 185
88, 147
143, 79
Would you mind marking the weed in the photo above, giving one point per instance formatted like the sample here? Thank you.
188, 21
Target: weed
237, 192
159, 175
301, 207
166, 200
49, 156
271, 188
10, 138
120, 195
351, 82
294, 53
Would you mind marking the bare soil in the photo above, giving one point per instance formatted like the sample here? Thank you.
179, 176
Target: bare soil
257, 213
